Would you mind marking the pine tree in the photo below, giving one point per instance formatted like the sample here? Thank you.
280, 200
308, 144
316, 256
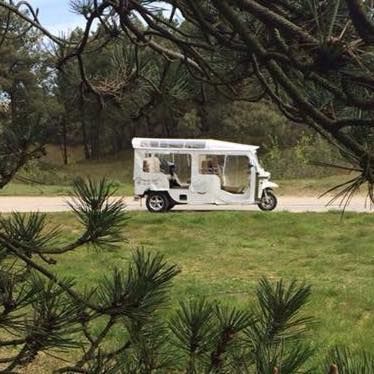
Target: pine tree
313, 59
28, 108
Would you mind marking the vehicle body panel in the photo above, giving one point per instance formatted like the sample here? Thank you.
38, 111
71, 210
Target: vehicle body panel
201, 184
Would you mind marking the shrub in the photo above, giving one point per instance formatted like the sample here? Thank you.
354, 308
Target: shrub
301, 160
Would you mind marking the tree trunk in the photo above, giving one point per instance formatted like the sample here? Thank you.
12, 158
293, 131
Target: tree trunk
333, 369
87, 154
64, 141
82, 114
95, 136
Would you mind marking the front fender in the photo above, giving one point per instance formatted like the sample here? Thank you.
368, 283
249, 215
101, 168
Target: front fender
269, 184
264, 185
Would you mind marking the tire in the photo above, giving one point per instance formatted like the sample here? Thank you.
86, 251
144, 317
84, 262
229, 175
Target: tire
268, 201
157, 202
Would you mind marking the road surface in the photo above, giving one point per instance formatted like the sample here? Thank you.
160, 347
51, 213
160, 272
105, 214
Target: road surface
295, 204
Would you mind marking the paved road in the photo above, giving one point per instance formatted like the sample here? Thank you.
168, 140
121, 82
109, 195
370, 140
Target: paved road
286, 203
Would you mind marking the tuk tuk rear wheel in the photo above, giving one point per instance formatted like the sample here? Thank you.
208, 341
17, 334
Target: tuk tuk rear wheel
157, 202
268, 201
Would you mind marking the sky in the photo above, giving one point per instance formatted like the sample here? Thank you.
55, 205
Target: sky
57, 16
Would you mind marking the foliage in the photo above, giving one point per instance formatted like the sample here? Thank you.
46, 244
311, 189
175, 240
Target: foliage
131, 91
312, 59
302, 160
173, 77
349, 362
28, 110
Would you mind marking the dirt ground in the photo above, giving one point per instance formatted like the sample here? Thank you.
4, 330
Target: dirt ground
286, 203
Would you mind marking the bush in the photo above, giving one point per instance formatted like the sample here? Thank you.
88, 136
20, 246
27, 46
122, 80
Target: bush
298, 161
43, 173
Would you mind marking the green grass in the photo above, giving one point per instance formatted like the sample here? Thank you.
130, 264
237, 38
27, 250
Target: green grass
223, 254
57, 179
21, 189
313, 186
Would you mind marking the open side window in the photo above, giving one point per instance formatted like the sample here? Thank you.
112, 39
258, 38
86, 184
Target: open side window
236, 174
233, 171
176, 166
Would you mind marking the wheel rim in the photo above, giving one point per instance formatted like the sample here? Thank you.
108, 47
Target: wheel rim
267, 202
156, 202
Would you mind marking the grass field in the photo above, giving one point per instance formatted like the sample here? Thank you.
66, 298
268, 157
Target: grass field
56, 179
223, 254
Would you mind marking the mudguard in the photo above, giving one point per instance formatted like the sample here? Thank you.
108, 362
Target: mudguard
268, 184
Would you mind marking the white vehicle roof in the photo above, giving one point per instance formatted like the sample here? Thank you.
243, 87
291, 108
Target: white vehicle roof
191, 144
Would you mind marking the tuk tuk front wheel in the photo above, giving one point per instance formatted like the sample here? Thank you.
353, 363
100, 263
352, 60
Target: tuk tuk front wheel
157, 202
268, 201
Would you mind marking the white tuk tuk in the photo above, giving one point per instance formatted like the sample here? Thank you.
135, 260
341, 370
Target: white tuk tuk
185, 171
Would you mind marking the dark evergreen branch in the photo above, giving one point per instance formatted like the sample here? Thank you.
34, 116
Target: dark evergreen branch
363, 25
12, 248
273, 19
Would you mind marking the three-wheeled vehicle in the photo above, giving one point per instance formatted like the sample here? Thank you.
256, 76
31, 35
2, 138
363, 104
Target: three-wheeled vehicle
186, 171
